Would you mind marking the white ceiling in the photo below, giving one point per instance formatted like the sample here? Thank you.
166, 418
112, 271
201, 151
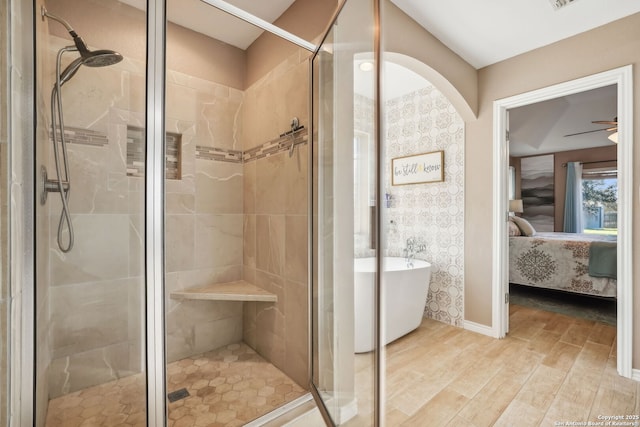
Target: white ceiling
541, 128
398, 80
484, 32
208, 20
480, 31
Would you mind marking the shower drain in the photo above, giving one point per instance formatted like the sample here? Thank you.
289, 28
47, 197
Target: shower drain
174, 396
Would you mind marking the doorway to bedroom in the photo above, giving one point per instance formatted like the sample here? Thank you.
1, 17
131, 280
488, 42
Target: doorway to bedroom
563, 187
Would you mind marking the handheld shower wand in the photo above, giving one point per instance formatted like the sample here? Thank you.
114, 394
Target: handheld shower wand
62, 183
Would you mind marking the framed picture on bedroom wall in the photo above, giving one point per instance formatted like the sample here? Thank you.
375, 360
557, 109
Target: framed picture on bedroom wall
536, 176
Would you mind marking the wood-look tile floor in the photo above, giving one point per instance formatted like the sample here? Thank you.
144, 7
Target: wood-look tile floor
227, 387
550, 369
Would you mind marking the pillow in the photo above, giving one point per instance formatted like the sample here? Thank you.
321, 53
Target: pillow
513, 229
524, 226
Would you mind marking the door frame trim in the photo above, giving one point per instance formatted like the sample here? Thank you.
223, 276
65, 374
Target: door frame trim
623, 78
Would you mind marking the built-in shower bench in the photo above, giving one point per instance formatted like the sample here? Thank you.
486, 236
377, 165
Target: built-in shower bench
239, 290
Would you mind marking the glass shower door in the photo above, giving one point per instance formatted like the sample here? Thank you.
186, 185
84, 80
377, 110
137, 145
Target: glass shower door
90, 216
344, 223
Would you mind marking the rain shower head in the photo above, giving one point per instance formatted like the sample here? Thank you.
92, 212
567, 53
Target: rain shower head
96, 58
101, 58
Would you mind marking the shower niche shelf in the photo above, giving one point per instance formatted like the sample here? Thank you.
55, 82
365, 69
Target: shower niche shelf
239, 290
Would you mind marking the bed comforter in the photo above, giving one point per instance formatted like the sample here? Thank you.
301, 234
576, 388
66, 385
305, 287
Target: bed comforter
557, 261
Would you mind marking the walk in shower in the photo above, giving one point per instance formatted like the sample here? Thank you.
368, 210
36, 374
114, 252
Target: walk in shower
235, 144
196, 266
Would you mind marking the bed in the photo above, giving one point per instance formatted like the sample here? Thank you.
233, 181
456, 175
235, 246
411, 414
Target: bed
580, 263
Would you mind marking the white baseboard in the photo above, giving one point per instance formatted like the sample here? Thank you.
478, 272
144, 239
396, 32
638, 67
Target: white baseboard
480, 329
635, 374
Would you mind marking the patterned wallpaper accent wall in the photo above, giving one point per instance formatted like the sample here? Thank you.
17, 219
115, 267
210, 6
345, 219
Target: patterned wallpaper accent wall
422, 122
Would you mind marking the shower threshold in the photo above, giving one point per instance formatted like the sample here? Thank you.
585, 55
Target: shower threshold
226, 387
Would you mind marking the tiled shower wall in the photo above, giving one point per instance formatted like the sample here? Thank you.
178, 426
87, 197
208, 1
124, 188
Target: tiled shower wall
275, 220
97, 289
203, 215
420, 122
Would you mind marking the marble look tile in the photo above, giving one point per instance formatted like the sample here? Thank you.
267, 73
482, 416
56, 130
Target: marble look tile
270, 243
249, 187
188, 334
92, 258
249, 274
218, 117
249, 241
297, 334
92, 93
95, 187
180, 102
179, 242
218, 240
289, 81
296, 250
136, 245
271, 185
82, 370
89, 315
297, 181
270, 340
249, 326
180, 203
218, 187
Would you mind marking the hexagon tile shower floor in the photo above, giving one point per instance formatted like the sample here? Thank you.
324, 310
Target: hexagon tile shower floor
226, 387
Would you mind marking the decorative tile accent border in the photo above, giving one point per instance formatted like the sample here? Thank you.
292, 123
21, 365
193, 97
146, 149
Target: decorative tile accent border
280, 144
275, 146
219, 154
83, 136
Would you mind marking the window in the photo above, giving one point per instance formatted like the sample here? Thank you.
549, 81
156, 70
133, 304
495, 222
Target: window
600, 201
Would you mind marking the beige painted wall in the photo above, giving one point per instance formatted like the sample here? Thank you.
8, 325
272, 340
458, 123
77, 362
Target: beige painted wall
613, 45
448, 72
304, 18
560, 160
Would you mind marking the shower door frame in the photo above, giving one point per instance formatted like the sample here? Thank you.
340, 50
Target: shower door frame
154, 214
315, 253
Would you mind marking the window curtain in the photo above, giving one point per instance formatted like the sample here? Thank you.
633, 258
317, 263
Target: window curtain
573, 199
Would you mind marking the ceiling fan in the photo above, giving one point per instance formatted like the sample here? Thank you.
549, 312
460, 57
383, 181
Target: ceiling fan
613, 127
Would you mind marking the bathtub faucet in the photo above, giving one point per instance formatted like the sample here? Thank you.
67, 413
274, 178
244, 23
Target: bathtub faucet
413, 247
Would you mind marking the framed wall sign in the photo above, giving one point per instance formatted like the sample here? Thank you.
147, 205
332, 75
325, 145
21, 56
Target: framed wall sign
419, 168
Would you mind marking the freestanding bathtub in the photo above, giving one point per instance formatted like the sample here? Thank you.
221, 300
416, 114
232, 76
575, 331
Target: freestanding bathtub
404, 295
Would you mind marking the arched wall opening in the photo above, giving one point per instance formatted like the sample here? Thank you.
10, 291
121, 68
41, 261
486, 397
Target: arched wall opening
418, 117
